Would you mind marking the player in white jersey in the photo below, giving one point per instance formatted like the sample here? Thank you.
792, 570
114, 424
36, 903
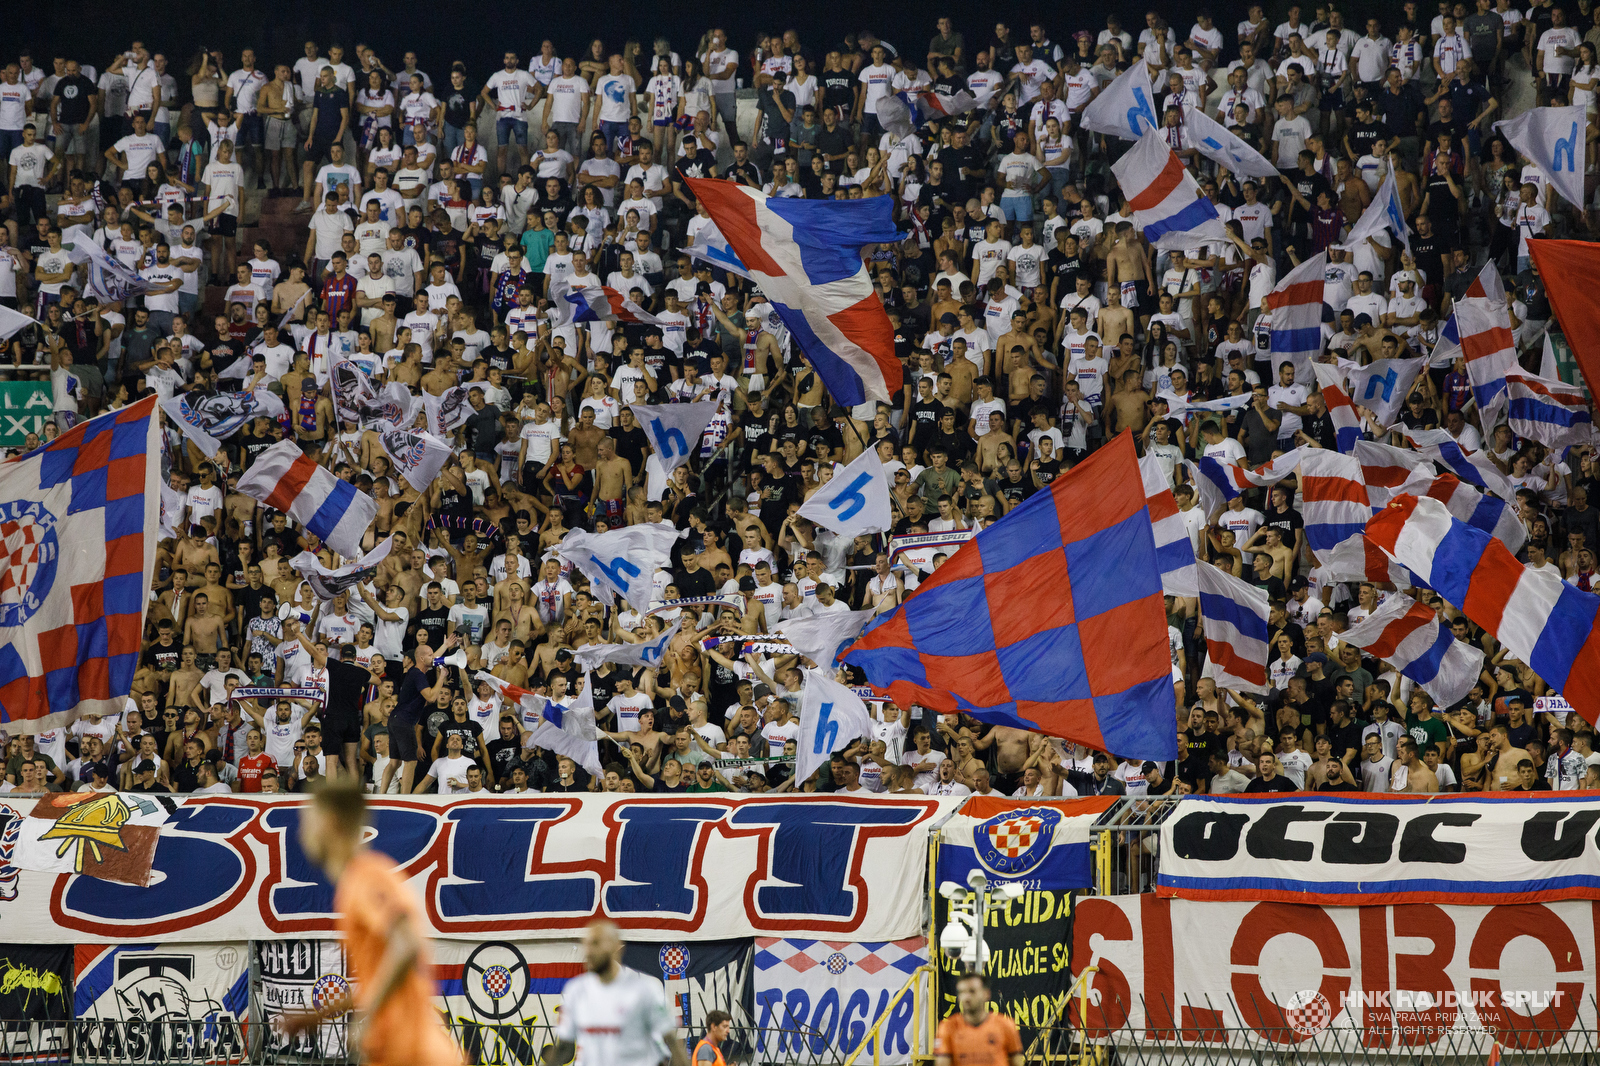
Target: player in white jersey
611, 1015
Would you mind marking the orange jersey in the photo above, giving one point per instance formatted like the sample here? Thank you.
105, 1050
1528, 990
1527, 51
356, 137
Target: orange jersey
991, 1043
370, 899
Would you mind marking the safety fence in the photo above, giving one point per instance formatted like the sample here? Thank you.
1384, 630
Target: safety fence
1126, 842
228, 1042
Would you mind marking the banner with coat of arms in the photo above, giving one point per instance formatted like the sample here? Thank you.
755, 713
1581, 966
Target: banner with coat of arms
1044, 844
816, 999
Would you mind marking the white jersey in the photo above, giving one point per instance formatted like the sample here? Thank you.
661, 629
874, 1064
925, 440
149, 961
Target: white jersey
623, 1023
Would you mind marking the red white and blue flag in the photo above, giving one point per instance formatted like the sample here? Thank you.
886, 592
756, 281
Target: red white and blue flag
1296, 305
1541, 619
1489, 347
1163, 194
1233, 619
1050, 620
1480, 510
1333, 499
330, 508
602, 303
1174, 549
1408, 636
1388, 470
806, 256
77, 553
901, 113
1336, 395
1551, 412
1475, 468
1234, 479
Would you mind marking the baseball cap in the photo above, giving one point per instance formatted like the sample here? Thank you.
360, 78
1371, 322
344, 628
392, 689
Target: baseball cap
1148, 766
145, 765
100, 769
1316, 657
1299, 583
949, 317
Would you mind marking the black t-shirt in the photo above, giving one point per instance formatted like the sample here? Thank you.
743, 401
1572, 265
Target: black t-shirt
458, 105
163, 656
698, 583
328, 102
956, 444
1015, 492
702, 164
1277, 784
1286, 522
833, 142
434, 622
347, 691
469, 731
1364, 134
73, 91
504, 756
925, 416
838, 88
409, 703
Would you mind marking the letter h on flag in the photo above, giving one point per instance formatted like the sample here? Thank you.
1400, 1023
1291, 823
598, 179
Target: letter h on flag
1050, 620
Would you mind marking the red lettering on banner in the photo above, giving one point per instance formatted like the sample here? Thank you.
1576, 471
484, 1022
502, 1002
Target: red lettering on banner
1424, 973
1265, 922
1511, 1027
1109, 994
1377, 1015
1155, 934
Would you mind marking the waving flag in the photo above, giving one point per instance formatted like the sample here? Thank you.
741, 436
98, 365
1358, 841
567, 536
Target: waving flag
417, 456
1408, 636
647, 653
1123, 108
1553, 140
1051, 619
77, 552
1174, 549
1383, 385
1233, 617
902, 113
602, 303
1384, 212
1212, 499
395, 408
109, 280
831, 719
14, 322
569, 731
1475, 468
1358, 559
1479, 510
1233, 479
1296, 306
1568, 270
351, 386
1551, 412
822, 637
447, 412
209, 418
621, 560
1180, 409
331, 509
1224, 147
674, 429
855, 500
1490, 349
1336, 395
710, 246
806, 256
1163, 194
1386, 470
1540, 619
329, 583
1333, 498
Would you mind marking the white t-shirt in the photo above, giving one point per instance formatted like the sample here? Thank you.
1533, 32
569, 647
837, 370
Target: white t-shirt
31, 162
452, 774
879, 82
614, 90
512, 89
567, 98
619, 1023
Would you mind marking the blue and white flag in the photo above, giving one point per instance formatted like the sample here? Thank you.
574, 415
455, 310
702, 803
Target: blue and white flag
710, 246
902, 113
1382, 386
1125, 108
1384, 212
855, 500
831, 719
569, 731
673, 429
1224, 147
647, 653
622, 560
821, 637
209, 418
1181, 409
1553, 140
109, 280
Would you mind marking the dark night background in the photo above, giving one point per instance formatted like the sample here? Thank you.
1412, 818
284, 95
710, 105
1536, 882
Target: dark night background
93, 30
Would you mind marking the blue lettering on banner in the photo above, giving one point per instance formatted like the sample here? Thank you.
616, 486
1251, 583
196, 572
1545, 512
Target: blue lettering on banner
618, 567
850, 500
1565, 146
827, 733
669, 442
191, 841
1141, 109
403, 835
655, 859
483, 838
1385, 381
810, 851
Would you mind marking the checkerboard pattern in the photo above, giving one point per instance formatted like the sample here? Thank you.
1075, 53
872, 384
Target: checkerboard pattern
1015, 835
1050, 620
837, 956
78, 651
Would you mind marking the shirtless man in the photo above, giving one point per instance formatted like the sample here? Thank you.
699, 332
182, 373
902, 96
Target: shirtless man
612, 476
1127, 266
442, 377
1114, 319
1269, 539
1411, 774
1503, 769
408, 371
220, 598
586, 438
206, 633
513, 669
1011, 754
1130, 405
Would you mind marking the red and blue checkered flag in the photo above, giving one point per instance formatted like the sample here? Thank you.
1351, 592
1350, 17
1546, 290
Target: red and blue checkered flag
77, 551
1050, 620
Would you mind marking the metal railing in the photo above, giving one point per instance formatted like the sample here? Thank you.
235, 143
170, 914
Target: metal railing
1126, 841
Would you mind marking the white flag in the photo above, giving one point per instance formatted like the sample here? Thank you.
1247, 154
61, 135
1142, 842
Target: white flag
395, 408
855, 500
351, 386
208, 418
568, 731
1223, 147
647, 654
447, 412
417, 456
12, 322
674, 429
1384, 212
821, 637
831, 717
1124, 108
329, 583
622, 560
1553, 140
1382, 386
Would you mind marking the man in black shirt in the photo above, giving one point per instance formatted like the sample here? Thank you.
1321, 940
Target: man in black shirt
419, 687
1269, 779
693, 579
1364, 132
460, 106
71, 107
833, 142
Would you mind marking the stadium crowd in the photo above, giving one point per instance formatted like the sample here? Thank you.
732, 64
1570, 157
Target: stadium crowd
1032, 320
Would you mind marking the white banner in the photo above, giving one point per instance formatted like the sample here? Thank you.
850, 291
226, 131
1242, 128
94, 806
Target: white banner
1124, 108
1355, 980
1382, 386
417, 456
296, 976
823, 997
855, 500
161, 1003
831, 719
1367, 850
540, 867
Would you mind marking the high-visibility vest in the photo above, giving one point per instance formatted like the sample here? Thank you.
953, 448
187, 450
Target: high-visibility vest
695, 1058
